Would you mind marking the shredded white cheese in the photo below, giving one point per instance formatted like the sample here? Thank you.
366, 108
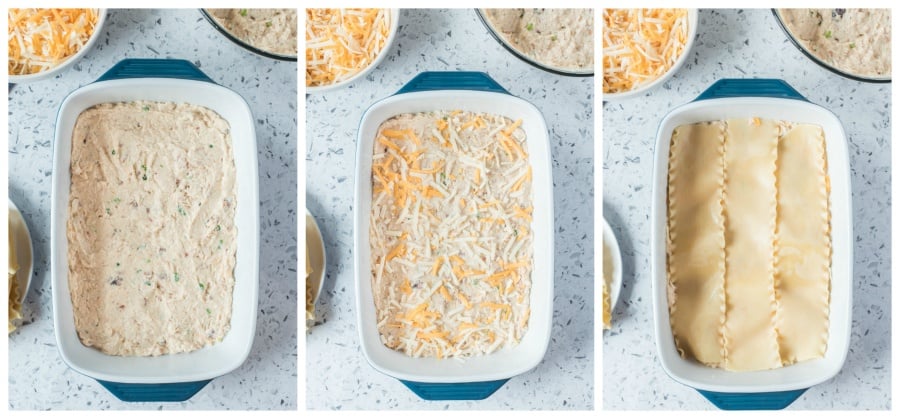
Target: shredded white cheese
450, 233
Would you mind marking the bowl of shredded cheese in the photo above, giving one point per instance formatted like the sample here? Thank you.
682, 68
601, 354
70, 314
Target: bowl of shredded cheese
642, 48
343, 45
45, 42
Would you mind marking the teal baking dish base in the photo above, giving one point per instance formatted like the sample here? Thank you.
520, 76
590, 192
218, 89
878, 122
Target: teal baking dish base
454, 391
171, 392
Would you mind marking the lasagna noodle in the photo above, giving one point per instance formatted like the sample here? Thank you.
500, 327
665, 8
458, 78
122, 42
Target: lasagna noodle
750, 206
696, 241
803, 254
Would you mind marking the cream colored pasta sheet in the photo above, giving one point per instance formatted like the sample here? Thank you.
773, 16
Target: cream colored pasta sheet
696, 241
750, 205
803, 245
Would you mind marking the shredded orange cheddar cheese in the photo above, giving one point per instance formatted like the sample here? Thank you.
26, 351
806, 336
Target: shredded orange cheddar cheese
450, 233
41, 39
640, 45
343, 42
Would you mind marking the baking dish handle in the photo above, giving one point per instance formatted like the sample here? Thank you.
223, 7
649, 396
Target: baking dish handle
131, 68
452, 80
775, 400
169, 392
750, 87
455, 391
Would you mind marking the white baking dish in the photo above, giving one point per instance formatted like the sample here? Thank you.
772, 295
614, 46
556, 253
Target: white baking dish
476, 377
174, 81
776, 388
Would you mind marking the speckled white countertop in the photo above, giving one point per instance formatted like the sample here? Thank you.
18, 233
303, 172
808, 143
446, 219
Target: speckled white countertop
338, 376
744, 44
38, 377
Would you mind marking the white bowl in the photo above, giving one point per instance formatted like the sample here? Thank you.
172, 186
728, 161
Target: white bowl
211, 361
615, 282
392, 35
504, 363
315, 251
68, 62
24, 251
735, 99
693, 20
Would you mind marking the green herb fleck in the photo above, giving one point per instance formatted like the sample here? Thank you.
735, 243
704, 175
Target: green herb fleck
118, 264
201, 285
113, 152
208, 311
177, 278
147, 283
828, 34
443, 178
516, 233
108, 212
243, 12
181, 211
144, 177
852, 45
210, 146
218, 227
117, 199
530, 26
146, 108
268, 24
552, 37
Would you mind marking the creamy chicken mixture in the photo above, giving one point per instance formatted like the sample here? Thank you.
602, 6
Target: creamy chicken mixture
561, 38
271, 30
450, 233
151, 233
856, 41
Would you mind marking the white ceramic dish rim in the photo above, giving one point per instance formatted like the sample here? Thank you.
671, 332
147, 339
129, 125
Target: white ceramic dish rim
693, 21
798, 376
68, 62
504, 363
28, 265
206, 363
615, 285
392, 36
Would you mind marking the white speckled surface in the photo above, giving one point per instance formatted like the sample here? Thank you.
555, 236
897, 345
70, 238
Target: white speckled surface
38, 378
738, 44
452, 40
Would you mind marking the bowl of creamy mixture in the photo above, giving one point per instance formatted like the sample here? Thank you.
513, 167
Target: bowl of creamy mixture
268, 32
854, 43
560, 41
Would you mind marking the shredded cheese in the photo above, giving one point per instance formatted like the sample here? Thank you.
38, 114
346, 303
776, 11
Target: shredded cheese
640, 45
450, 233
342, 42
41, 39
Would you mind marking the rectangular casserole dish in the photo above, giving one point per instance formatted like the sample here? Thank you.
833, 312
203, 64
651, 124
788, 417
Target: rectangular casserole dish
476, 377
777, 388
179, 376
